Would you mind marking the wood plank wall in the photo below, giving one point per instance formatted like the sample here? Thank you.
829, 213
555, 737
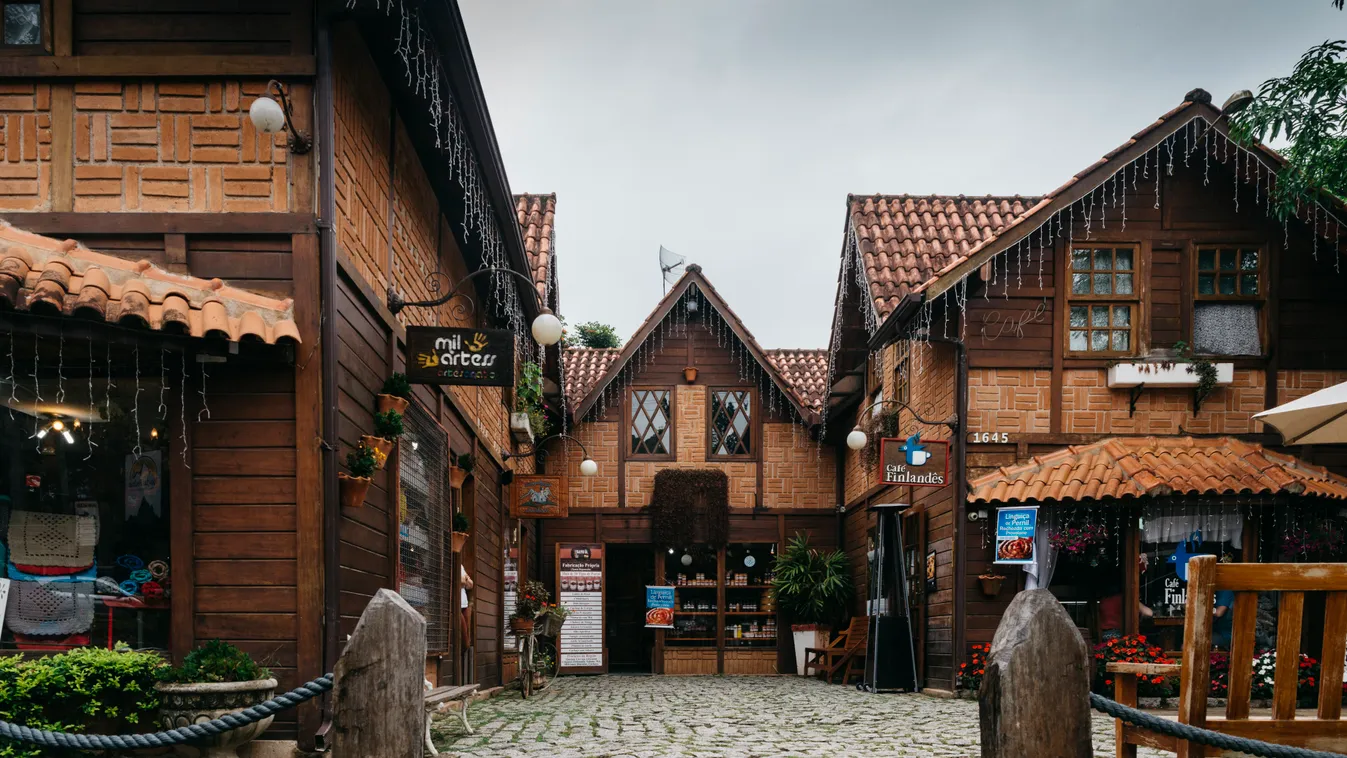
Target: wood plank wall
168, 27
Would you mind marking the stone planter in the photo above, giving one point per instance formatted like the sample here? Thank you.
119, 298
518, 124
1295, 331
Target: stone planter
521, 428
185, 704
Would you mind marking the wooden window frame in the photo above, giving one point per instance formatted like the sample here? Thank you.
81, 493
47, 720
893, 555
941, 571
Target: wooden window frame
1133, 300
44, 46
627, 416
754, 426
1259, 301
874, 371
902, 371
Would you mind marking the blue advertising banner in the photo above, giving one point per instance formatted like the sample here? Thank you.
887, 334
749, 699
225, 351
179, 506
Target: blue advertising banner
659, 607
1015, 529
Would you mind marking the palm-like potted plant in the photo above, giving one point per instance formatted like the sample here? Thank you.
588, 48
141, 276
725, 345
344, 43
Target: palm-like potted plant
213, 680
459, 468
813, 588
396, 394
387, 428
529, 602
460, 534
361, 464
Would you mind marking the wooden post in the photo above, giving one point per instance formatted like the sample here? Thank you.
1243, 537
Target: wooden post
378, 689
1034, 701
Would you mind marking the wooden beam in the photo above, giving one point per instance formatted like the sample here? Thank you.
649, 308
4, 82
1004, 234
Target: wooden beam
182, 637
155, 66
60, 222
63, 146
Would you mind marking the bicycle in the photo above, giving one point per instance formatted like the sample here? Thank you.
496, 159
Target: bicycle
536, 656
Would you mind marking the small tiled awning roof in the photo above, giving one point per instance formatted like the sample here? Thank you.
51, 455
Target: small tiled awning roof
536, 213
1132, 467
43, 275
805, 371
583, 367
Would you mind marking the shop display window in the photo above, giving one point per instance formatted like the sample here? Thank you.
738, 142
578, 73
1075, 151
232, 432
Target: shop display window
693, 573
750, 609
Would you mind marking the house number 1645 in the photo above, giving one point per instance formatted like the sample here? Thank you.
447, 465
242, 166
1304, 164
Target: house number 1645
990, 437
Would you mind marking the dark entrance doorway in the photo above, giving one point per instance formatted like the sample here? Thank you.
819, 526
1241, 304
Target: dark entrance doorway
629, 569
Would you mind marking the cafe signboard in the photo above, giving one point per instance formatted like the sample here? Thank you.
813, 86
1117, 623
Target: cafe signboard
449, 355
914, 461
539, 497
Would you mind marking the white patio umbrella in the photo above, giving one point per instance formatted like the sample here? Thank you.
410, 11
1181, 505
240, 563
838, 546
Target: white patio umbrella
1316, 419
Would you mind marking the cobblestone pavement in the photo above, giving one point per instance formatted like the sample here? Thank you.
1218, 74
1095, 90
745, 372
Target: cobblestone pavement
639, 716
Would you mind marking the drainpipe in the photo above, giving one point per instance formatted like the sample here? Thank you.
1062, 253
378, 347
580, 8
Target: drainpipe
960, 496
327, 284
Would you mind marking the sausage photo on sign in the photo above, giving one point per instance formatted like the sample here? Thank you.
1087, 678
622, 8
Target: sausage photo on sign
1018, 548
659, 617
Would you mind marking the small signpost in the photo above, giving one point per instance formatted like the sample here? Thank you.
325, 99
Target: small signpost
539, 497
465, 357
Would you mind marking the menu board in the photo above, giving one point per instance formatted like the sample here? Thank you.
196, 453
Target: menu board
580, 589
511, 594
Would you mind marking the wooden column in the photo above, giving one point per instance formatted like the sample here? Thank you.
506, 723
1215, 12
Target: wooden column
657, 665
308, 475
720, 611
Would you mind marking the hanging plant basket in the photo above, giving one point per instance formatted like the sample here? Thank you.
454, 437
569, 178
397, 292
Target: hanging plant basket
521, 626
457, 476
392, 403
690, 374
991, 584
459, 539
382, 449
352, 489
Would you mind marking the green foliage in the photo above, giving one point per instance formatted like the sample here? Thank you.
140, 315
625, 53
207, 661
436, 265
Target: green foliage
1308, 109
461, 523
596, 334
388, 424
398, 386
1205, 370
361, 462
464, 461
881, 423
528, 397
813, 587
113, 692
530, 600
215, 661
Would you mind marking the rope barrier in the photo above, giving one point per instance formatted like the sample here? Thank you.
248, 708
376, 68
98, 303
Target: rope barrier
182, 734
1203, 736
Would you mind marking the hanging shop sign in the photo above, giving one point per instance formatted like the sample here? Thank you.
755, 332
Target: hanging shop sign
539, 497
1015, 530
659, 607
580, 589
914, 462
449, 355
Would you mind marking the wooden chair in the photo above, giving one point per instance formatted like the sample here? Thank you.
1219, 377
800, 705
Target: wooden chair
846, 653
440, 695
1325, 731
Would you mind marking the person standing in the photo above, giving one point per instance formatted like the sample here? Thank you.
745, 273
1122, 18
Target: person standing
1223, 626
465, 608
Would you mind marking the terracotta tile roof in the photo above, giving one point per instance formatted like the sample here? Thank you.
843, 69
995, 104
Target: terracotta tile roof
44, 275
536, 214
905, 239
805, 371
582, 367
1130, 467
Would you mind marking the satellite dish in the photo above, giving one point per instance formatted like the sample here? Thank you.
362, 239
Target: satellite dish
669, 261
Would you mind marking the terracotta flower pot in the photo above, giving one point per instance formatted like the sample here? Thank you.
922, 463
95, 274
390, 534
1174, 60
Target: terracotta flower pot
352, 489
690, 374
392, 403
459, 539
383, 446
991, 585
457, 476
521, 626
185, 704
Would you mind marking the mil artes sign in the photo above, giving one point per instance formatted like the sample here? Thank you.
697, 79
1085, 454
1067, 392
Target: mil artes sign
914, 461
448, 355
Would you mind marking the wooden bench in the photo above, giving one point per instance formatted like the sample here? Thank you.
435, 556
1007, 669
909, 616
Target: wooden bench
846, 653
440, 695
1326, 731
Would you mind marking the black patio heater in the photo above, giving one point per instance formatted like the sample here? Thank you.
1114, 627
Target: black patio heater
890, 657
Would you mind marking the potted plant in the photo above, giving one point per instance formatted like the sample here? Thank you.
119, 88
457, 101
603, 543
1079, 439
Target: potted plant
532, 597
991, 583
459, 468
460, 534
213, 680
396, 394
813, 588
690, 374
361, 463
551, 619
387, 428
528, 421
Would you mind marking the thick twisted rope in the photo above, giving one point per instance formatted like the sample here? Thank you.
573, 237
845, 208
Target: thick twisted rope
182, 734
1204, 736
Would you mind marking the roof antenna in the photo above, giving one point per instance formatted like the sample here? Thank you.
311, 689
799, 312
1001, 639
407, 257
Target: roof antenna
668, 262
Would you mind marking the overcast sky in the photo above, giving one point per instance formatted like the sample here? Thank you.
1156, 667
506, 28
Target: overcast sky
731, 131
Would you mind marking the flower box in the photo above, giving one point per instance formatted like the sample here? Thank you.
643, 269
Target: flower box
521, 428
1166, 374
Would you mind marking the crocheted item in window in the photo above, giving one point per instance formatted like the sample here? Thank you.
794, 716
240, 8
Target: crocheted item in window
52, 539
50, 607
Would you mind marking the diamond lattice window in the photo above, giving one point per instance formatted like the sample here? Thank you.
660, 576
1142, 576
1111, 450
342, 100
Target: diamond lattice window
650, 414
731, 422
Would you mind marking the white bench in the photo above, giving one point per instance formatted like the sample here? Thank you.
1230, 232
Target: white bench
440, 695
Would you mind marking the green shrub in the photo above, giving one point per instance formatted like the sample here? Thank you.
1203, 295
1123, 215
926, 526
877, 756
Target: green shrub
398, 386
461, 523
811, 586
215, 661
361, 461
388, 425
87, 690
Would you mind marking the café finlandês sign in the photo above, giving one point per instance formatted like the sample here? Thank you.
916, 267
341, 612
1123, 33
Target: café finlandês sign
914, 461
449, 355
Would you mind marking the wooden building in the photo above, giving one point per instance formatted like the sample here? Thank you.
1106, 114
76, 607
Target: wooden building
690, 392
1097, 352
205, 346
